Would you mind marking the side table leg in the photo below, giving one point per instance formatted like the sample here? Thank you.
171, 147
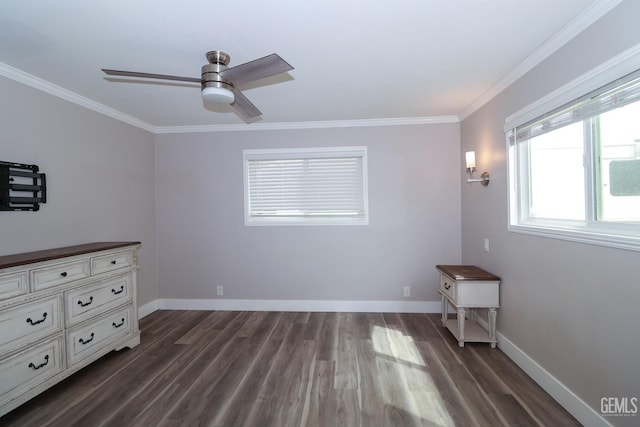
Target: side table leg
445, 309
461, 315
492, 327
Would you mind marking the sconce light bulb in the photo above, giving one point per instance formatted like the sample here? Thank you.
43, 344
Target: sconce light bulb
470, 158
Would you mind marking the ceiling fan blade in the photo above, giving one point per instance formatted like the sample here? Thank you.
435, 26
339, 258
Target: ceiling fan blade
151, 76
260, 68
243, 106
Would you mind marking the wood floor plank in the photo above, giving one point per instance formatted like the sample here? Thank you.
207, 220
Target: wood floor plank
199, 405
444, 390
418, 327
237, 411
185, 367
205, 398
370, 397
328, 338
283, 391
321, 390
328, 406
164, 400
512, 411
197, 368
215, 321
315, 322
346, 369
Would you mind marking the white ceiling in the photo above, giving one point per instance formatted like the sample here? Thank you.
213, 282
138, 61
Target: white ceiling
353, 60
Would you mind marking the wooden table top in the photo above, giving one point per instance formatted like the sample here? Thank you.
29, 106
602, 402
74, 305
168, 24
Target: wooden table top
466, 272
49, 254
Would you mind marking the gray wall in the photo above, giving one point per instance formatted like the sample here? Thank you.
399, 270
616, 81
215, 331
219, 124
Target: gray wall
100, 178
571, 307
414, 202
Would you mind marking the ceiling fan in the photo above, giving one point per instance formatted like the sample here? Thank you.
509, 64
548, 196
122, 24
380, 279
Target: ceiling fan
220, 83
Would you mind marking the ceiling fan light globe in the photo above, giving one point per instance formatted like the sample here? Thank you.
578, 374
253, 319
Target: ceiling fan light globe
218, 95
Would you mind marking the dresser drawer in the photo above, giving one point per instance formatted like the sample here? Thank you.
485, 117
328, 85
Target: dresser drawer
111, 262
85, 340
449, 287
91, 300
12, 285
59, 274
29, 322
29, 368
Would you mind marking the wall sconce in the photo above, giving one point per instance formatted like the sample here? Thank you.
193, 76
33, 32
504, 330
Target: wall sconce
470, 158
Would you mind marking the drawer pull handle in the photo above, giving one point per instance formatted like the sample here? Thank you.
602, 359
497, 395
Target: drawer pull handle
81, 304
33, 323
81, 341
63, 274
113, 262
118, 292
447, 286
119, 324
35, 368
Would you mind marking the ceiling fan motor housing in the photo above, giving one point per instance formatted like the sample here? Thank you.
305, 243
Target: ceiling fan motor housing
218, 61
216, 88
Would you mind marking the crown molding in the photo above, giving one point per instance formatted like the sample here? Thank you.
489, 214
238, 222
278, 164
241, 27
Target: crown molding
590, 15
60, 92
400, 121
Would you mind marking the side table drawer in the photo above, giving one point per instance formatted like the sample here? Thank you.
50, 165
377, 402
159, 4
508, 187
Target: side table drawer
111, 262
12, 285
27, 323
91, 300
449, 287
60, 274
29, 368
85, 340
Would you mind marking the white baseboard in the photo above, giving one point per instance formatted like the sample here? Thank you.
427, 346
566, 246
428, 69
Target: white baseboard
292, 305
147, 309
561, 393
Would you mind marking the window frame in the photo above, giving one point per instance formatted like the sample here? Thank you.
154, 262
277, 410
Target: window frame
294, 153
590, 231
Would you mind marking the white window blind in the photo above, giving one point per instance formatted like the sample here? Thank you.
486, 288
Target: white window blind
306, 185
616, 94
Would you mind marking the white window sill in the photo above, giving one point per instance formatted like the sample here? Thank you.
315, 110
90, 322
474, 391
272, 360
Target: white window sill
270, 221
619, 241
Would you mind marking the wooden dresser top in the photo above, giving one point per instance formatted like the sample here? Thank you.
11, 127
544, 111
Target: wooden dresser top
49, 254
466, 272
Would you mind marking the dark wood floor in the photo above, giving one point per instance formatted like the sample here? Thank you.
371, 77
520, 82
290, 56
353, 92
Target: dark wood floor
198, 368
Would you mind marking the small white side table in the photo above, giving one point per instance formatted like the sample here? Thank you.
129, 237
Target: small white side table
466, 288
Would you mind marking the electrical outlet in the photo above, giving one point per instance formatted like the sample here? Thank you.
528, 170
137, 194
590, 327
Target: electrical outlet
220, 290
486, 245
407, 291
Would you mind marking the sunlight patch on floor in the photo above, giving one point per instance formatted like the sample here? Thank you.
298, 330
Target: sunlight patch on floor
409, 386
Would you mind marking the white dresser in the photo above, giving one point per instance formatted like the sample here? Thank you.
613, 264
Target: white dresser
467, 288
61, 309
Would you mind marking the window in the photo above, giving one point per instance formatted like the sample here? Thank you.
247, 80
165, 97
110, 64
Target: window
306, 186
575, 170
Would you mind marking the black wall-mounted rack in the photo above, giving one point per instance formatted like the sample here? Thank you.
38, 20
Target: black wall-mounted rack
22, 187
